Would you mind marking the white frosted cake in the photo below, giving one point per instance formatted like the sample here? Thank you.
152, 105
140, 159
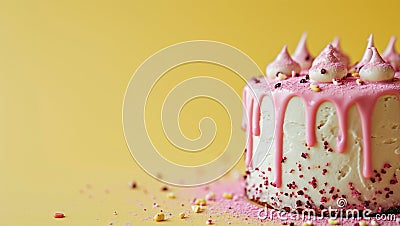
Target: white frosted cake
321, 130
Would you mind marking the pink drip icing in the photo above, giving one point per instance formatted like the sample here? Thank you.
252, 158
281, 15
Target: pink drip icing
311, 111
366, 108
280, 103
341, 111
363, 97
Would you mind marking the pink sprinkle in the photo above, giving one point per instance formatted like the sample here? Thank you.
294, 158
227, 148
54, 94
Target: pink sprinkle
387, 165
59, 215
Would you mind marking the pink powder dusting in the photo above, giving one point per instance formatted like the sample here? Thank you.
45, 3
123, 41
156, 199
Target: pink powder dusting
249, 212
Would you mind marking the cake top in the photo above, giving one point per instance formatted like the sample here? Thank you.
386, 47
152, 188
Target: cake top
332, 65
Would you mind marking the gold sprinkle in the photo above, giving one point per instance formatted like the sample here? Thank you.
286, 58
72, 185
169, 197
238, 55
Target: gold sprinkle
200, 202
315, 87
227, 195
333, 221
355, 74
362, 223
171, 195
159, 217
182, 215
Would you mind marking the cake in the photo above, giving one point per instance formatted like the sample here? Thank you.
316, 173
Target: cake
322, 133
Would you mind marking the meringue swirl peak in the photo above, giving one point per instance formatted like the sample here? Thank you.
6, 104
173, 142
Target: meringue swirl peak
339, 53
376, 69
367, 54
390, 54
327, 67
283, 64
302, 54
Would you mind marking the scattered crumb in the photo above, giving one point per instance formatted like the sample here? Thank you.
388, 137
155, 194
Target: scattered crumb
59, 215
159, 217
227, 195
171, 195
196, 209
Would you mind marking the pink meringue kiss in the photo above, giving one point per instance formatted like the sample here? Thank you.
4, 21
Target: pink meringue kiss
391, 56
367, 54
344, 58
376, 69
283, 64
327, 66
302, 55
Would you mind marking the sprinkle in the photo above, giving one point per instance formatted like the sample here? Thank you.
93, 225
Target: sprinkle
196, 209
171, 195
209, 221
164, 188
115, 212
210, 196
315, 87
132, 185
387, 165
59, 215
307, 223
155, 204
304, 155
362, 223
227, 195
333, 221
355, 74
359, 82
303, 80
200, 202
277, 85
182, 215
336, 82
323, 71
281, 76
159, 217
374, 223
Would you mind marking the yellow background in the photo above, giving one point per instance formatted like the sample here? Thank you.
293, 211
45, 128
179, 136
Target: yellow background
65, 65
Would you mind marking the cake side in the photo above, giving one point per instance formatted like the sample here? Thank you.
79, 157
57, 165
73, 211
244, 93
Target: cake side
316, 177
